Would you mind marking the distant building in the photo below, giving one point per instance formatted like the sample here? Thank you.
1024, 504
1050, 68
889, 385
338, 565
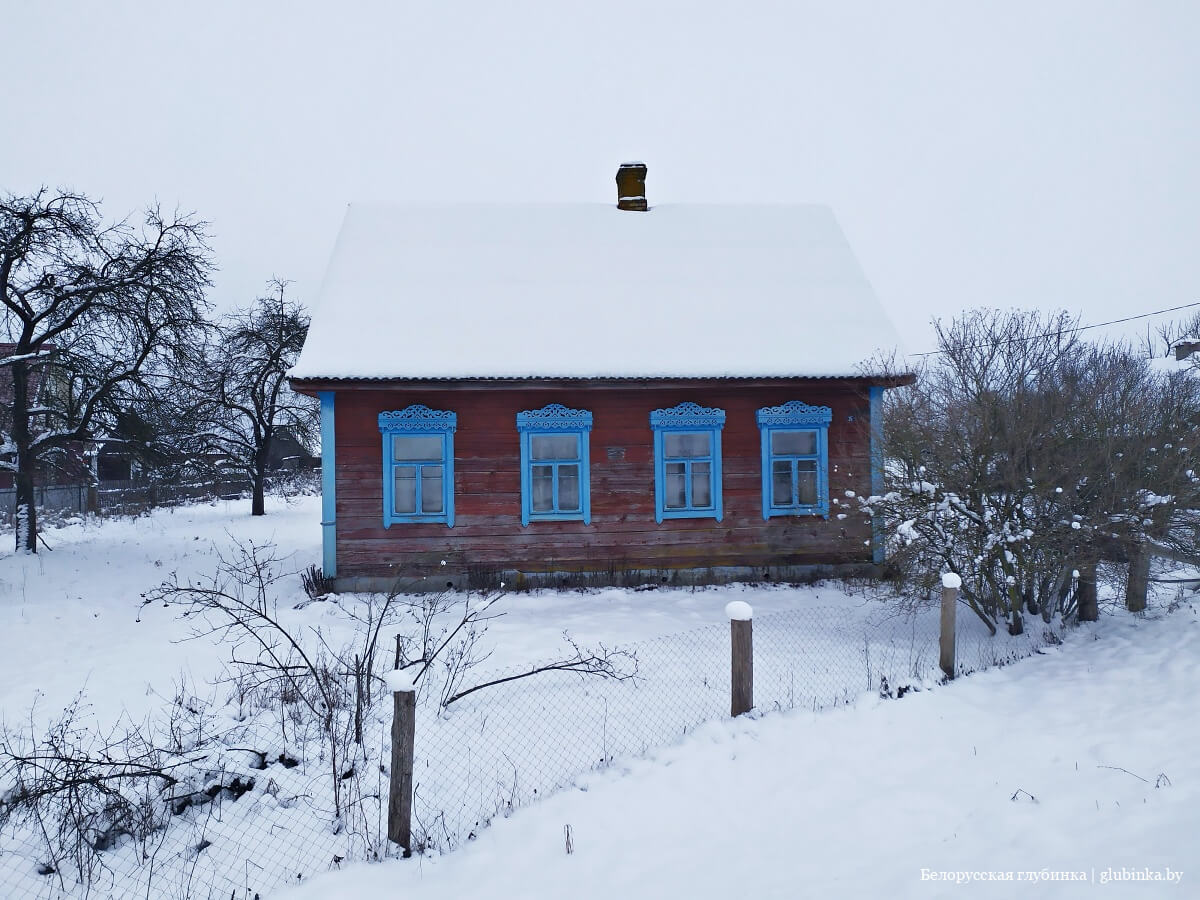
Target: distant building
288, 452
65, 465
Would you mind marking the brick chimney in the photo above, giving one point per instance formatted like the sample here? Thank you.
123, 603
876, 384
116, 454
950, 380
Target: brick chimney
631, 186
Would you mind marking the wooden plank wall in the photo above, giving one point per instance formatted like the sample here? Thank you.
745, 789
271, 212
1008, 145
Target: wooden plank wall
622, 534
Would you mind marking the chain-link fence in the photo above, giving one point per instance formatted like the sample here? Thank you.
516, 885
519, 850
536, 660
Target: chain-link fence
490, 753
254, 810
500, 748
237, 812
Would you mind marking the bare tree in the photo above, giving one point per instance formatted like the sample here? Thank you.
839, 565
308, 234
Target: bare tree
1023, 456
96, 313
441, 644
248, 404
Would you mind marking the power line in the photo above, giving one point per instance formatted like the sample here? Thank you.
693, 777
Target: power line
1034, 337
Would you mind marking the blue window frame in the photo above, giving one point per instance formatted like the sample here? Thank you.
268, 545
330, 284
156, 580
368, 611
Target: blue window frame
795, 459
687, 462
418, 465
555, 464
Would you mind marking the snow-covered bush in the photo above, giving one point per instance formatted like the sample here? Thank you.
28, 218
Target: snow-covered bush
1023, 456
84, 789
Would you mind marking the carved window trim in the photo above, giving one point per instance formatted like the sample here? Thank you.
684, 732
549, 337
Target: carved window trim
556, 419
689, 418
418, 420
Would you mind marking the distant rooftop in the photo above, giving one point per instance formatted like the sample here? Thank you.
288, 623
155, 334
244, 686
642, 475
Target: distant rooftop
591, 291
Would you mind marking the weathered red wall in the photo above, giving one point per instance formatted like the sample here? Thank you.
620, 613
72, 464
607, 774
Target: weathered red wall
622, 534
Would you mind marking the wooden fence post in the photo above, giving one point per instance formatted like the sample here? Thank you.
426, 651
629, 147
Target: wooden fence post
741, 633
1087, 602
1139, 579
400, 791
950, 586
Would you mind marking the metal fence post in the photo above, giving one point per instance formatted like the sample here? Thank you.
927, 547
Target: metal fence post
950, 586
741, 633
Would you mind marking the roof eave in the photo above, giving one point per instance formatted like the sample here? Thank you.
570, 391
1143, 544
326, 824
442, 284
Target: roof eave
311, 385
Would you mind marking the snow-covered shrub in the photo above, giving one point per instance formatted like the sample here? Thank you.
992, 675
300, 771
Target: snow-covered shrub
83, 790
1023, 456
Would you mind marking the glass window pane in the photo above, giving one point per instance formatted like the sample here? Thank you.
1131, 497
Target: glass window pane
424, 447
675, 489
431, 489
568, 488
543, 488
781, 483
554, 446
794, 442
686, 445
701, 485
405, 493
806, 482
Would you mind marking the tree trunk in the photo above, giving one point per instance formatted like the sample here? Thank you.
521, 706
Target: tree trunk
1062, 592
1016, 625
1030, 597
1016, 601
26, 508
1085, 593
258, 504
1139, 579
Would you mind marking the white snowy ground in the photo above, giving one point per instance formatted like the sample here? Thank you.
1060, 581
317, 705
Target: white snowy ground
1085, 760
854, 802
71, 617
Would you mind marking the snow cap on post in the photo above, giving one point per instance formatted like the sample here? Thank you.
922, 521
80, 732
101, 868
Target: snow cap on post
952, 581
399, 680
739, 611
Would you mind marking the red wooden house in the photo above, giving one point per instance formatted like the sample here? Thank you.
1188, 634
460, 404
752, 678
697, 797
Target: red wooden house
591, 393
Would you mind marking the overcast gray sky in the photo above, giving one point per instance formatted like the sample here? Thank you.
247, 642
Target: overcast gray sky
977, 153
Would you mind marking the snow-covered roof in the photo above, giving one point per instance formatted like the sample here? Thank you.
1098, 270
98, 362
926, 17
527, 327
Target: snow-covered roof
590, 291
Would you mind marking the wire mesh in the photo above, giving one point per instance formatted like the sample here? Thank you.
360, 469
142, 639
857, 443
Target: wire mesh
501, 748
813, 658
258, 811
976, 648
246, 816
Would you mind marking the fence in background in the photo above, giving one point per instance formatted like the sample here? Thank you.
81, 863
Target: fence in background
134, 499
131, 498
67, 499
499, 749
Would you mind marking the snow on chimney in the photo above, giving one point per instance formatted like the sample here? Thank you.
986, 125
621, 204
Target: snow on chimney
631, 186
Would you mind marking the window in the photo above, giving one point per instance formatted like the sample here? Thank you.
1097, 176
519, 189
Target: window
687, 462
795, 459
418, 465
554, 464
